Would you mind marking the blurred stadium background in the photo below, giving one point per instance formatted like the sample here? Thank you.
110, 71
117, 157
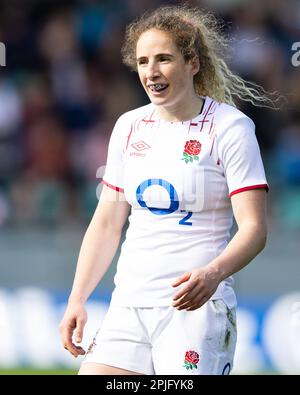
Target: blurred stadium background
61, 91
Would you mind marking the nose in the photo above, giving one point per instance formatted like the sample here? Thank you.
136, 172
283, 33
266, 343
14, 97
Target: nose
152, 71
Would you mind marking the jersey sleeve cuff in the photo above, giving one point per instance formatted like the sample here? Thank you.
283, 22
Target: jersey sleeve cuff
249, 188
112, 186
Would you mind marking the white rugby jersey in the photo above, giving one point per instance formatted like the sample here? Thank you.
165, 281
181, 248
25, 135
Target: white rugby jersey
178, 177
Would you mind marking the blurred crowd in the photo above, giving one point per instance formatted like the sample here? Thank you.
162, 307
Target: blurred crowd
64, 86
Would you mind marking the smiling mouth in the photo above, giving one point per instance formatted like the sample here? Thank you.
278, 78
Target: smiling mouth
158, 87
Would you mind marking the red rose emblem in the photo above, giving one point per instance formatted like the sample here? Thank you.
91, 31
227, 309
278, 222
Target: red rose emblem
192, 147
191, 151
191, 359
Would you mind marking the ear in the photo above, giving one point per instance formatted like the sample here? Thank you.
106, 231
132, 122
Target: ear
195, 64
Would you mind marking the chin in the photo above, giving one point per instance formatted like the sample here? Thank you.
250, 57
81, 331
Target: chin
158, 101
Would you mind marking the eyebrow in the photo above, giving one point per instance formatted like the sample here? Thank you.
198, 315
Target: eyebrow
156, 56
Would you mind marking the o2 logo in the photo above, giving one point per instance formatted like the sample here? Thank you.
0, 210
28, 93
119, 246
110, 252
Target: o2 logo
296, 55
173, 196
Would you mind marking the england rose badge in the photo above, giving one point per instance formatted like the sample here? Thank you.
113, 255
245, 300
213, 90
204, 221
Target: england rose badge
191, 151
191, 359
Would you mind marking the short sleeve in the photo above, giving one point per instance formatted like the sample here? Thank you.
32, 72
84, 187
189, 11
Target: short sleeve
114, 170
240, 157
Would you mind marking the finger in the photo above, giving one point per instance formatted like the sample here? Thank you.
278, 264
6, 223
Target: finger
79, 350
74, 350
66, 336
71, 349
188, 296
195, 301
185, 277
192, 308
66, 330
197, 305
79, 330
185, 290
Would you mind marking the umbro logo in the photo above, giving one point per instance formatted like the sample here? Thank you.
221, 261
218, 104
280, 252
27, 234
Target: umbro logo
140, 146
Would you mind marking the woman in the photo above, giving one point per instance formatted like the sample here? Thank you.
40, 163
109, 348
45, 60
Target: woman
184, 164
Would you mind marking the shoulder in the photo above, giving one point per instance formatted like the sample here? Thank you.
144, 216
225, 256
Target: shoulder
137, 113
229, 117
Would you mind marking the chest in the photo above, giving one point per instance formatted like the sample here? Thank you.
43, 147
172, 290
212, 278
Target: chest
169, 143
170, 162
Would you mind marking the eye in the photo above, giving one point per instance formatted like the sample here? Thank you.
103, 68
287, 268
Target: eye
164, 58
142, 61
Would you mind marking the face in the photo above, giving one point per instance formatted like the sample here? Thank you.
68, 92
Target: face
165, 76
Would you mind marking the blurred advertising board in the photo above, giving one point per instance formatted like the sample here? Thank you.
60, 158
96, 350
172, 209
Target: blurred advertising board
268, 331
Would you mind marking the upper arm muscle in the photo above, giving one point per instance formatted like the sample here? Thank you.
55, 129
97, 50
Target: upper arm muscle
250, 207
112, 210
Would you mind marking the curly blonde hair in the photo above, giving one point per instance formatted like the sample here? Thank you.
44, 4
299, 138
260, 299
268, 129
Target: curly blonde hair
197, 34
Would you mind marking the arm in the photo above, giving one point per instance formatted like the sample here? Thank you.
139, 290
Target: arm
98, 248
249, 209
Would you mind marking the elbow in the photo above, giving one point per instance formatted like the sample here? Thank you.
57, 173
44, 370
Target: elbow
263, 241
111, 229
262, 238
257, 233
106, 229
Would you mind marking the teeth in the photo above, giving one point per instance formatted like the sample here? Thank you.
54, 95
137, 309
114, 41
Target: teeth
157, 87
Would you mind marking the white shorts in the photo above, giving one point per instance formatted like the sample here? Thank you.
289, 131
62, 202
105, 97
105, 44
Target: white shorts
163, 340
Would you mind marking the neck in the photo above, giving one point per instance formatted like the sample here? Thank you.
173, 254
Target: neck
182, 111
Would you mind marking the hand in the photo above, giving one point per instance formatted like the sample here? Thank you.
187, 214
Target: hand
74, 320
200, 286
